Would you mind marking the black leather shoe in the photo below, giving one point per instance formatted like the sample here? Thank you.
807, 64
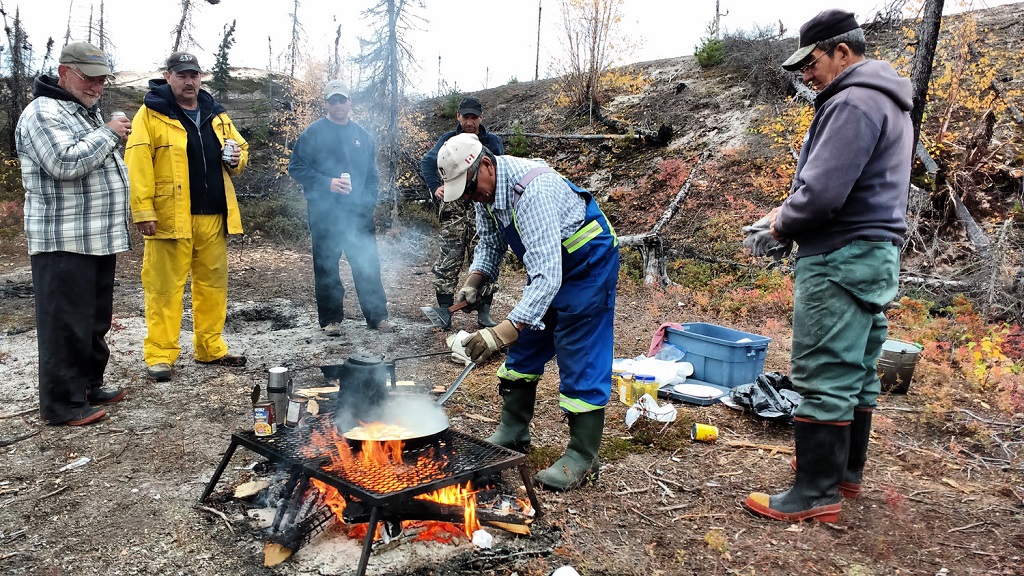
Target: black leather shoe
84, 416
100, 396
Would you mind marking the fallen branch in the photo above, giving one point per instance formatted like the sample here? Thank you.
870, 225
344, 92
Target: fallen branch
774, 449
9, 441
688, 516
649, 243
968, 527
1017, 117
22, 413
54, 493
218, 513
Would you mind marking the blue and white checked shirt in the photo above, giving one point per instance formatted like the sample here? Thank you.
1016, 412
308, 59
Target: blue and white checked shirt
76, 185
547, 213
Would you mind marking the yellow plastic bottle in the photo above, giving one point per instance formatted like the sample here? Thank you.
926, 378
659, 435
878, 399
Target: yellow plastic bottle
625, 383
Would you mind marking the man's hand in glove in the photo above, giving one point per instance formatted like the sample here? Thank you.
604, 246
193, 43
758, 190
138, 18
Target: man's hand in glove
471, 291
482, 344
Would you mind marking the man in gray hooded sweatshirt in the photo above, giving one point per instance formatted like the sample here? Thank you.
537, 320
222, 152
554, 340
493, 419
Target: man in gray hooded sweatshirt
846, 213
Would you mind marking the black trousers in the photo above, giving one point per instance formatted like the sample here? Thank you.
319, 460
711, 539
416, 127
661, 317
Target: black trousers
74, 303
354, 237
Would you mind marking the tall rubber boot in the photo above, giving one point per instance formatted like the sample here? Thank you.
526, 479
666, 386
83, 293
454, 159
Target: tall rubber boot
517, 403
444, 302
821, 448
860, 433
579, 464
483, 313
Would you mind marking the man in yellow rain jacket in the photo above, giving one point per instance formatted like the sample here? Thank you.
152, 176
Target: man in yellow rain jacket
184, 204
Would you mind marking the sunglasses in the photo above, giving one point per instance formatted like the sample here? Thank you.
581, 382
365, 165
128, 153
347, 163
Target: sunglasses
810, 65
337, 99
93, 80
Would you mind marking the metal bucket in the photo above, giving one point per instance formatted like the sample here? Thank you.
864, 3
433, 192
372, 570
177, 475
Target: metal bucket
896, 365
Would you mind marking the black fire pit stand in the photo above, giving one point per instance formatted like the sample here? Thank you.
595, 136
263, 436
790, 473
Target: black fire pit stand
461, 459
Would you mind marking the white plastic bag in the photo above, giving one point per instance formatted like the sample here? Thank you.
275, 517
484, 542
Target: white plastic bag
647, 407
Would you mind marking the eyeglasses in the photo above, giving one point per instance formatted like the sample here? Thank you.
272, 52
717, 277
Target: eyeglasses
810, 65
94, 80
470, 187
336, 99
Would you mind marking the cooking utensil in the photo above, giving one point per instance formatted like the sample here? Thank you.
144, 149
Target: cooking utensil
436, 314
255, 394
424, 419
451, 389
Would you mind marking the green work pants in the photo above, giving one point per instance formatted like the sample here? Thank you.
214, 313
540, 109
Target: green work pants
839, 327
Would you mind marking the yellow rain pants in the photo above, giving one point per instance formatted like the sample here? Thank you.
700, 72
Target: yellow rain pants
165, 267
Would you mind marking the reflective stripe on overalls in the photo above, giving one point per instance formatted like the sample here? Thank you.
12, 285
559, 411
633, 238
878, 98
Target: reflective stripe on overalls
579, 324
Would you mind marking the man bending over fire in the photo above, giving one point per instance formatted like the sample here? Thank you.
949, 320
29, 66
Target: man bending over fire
571, 257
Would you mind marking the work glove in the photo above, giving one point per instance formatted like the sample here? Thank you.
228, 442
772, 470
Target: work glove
471, 291
760, 241
482, 344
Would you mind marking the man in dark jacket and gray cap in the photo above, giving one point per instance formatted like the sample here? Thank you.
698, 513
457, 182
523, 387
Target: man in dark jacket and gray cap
846, 213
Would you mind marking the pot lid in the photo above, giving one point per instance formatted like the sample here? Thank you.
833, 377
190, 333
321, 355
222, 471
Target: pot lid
365, 359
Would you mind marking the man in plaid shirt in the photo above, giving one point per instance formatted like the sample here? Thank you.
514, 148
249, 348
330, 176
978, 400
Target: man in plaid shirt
567, 310
76, 220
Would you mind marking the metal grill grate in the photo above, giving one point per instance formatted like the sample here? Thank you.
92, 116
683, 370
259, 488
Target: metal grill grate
453, 459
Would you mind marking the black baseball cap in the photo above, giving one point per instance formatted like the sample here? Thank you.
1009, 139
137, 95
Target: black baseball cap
471, 105
181, 61
825, 25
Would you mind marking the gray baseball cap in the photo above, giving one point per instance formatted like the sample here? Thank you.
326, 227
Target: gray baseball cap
336, 88
87, 58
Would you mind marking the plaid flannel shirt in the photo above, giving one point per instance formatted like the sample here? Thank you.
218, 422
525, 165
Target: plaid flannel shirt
547, 213
76, 185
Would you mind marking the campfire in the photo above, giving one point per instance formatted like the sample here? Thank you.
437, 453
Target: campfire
383, 491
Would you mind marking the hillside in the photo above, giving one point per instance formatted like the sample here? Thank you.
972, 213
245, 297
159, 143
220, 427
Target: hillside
943, 490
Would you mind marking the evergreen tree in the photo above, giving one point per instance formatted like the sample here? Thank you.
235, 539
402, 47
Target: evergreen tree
221, 70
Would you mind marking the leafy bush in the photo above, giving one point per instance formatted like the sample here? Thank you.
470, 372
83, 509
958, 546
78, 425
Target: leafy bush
279, 217
758, 55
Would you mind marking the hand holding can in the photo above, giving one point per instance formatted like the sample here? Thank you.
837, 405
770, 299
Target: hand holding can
345, 183
120, 124
228, 155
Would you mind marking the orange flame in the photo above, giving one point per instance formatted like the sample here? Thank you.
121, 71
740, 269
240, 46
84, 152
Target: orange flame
378, 466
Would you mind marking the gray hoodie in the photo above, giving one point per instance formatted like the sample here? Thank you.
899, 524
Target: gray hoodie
853, 175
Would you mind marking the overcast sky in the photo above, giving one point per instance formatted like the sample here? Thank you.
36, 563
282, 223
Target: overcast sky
480, 44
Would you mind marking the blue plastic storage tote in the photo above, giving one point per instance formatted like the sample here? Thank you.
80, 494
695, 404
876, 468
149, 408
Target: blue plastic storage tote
720, 355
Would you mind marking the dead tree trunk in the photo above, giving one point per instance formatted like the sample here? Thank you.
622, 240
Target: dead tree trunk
921, 69
660, 138
649, 243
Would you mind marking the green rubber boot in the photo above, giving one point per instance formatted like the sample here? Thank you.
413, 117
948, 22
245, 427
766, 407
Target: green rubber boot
579, 464
517, 403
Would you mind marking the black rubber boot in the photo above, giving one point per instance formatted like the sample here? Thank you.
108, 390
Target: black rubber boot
483, 312
860, 433
444, 302
579, 464
517, 403
822, 449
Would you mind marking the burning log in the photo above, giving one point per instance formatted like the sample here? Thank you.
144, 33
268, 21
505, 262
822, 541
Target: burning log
507, 520
282, 545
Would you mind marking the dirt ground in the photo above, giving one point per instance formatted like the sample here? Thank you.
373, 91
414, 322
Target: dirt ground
943, 493
663, 505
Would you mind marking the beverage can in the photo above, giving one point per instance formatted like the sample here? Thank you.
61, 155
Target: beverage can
264, 422
296, 410
703, 432
229, 150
